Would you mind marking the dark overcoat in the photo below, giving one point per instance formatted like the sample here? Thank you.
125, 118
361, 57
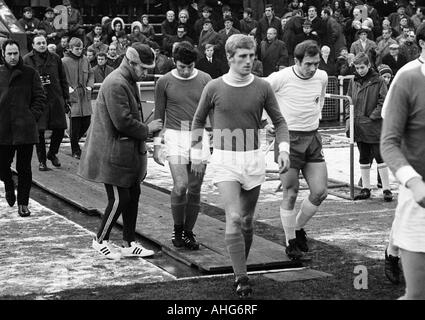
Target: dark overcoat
22, 101
115, 150
56, 92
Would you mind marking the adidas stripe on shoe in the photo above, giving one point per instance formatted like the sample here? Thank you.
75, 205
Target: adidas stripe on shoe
136, 250
105, 250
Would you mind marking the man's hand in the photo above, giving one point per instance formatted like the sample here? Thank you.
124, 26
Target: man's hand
156, 150
417, 186
283, 162
155, 125
198, 168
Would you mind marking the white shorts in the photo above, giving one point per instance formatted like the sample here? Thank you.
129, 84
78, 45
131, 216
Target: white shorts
178, 143
409, 223
246, 167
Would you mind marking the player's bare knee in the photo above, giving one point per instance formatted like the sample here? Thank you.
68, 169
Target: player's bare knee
233, 222
318, 197
180, 188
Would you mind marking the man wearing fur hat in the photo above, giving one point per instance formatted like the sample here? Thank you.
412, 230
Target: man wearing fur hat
115, 151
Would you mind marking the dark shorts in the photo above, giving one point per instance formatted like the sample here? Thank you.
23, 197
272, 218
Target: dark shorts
304, 147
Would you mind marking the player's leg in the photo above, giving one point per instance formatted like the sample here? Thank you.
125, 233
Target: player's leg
230, 193
414, 272
290, 186
193, 207
248, 199
392, 260
316, 176
178, 168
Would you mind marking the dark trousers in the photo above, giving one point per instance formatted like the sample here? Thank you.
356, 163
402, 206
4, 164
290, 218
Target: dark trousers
23, 167
120, 200
368, 152
55, 141
79, 126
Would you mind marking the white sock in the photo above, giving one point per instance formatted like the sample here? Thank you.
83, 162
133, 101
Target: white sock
365, 171
288, 218
385, 176
307, 211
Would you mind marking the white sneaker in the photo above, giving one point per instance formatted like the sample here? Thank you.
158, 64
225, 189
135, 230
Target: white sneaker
105, 250
136, 250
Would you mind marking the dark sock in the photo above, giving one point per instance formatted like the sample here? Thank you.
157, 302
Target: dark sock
192, 210
178, 205
248, 235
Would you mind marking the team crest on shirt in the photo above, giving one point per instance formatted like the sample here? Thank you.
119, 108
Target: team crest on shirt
316, 100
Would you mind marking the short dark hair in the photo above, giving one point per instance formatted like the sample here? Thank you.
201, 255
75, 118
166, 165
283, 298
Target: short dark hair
361, 58
91, 50
97, 25
101, 54
9, 42
327, 11
308, 48
185, 53
39, 35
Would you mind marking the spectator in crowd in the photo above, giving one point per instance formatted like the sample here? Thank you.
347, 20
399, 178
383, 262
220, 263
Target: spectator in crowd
63, 46
117, 25
208, 35
75, 22
97, 31
294, 5
403, 35
18, 123
326, 63
364, 44
136, 35
344, 63
418, 17
91, 57
383, 46
395, 17
147, 29
312, 3
394, 59
30, 24
247, 22
168, 27
269, 20
333, 37
385, 7
317, 25
411, 8
101, 70
354, 25
307, 34
404, 23
386, 73
368, 91
256, 6
55, 86
273, 53
163, 64
97, 45
199, 24
226, 12
53, 35
113, 59
180, 37
293, 28
409, 48
80, 79
52, 48
210, 64
228, 29
122, 43
184, 20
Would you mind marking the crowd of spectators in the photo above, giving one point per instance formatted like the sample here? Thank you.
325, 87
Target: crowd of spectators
383, 29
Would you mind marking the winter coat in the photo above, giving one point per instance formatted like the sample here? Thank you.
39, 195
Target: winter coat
101, 73
370, 49
115, 150
368, 95
22, 101
49, 28
264, 24
273, 56
56, 92
80, 76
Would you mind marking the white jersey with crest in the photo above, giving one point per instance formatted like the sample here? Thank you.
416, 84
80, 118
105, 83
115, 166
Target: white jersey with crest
300, 100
